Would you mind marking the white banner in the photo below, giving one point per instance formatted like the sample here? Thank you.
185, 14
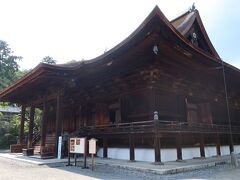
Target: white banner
59, 147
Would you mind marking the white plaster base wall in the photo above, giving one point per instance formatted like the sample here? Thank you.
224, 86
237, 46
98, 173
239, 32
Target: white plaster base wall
225, 150
144, 154
119, 153
237, 149
100, 152
141, 154
190, 152
167, 154
210, 151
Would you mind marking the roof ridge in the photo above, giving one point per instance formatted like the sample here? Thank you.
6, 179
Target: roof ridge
185, 12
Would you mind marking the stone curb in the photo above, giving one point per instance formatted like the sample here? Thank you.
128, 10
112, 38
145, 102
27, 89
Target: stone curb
171, 170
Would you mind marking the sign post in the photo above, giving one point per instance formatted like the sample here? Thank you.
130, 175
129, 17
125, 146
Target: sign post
92, 161
92, 149
78, 146
85, 154
69, 163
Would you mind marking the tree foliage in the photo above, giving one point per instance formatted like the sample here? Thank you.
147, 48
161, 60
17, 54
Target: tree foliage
8, 131
8, 65
72, 61
20, 73
49, 60
9, 128
9, 72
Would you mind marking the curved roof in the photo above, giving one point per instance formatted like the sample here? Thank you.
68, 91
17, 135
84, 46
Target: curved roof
177, 27
186, 21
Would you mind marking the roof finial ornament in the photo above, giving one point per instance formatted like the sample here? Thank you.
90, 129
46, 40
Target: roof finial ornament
192, 8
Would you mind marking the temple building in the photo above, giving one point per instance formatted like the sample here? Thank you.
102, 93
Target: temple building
162, 94
9, 111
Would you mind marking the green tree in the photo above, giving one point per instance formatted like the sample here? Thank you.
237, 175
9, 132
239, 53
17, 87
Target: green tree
8, 65
8, 131
72, 61
20, 73
49, 60
9, 128
37, 119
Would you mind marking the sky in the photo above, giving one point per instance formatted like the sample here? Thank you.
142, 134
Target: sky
75, 29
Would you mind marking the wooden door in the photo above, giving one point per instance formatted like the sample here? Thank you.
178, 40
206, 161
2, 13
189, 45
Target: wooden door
205, 113
192, 113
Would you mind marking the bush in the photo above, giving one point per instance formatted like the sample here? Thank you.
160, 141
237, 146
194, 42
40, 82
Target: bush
8, 131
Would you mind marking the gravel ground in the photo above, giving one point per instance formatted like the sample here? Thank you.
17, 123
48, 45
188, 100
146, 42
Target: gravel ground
11, 169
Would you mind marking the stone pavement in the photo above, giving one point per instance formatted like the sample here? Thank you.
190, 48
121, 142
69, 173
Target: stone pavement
167, 168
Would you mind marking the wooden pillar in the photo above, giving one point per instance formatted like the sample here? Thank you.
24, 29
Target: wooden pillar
152, 103
231, 146
21, 132
179, 146
105, 147
30, 131
218, 143
131, 147
43, 125
202, 151
157, 149
59, 118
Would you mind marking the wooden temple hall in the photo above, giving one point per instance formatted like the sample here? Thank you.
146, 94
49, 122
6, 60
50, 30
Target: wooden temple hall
159, 95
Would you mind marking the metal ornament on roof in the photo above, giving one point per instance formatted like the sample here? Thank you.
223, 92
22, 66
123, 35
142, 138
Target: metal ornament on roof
192, 8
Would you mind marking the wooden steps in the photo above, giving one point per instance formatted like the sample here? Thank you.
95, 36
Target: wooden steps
37, 149
50, 142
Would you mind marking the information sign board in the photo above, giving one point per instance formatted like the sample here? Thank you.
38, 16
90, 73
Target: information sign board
92, 146
77, 145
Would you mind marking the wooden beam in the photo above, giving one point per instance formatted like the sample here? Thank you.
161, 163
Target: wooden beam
131, 147
21, 132
202, 151
40, 100
31, 122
